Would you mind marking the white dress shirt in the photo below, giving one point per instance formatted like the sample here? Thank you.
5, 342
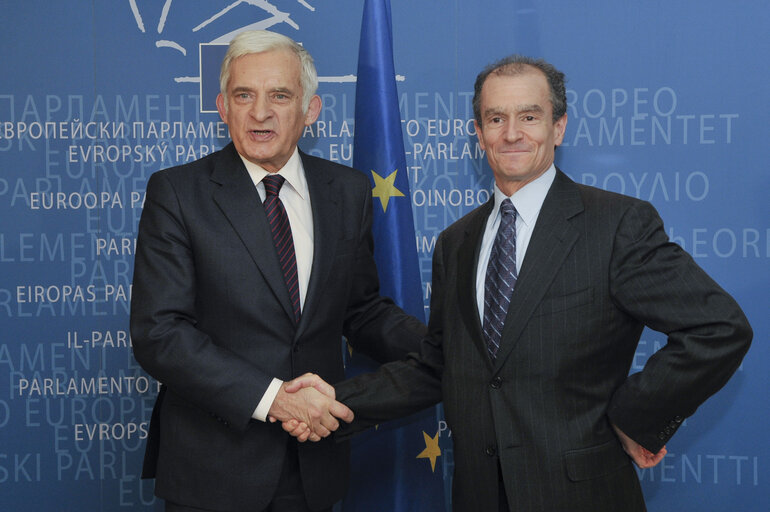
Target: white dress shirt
295, 196
527, 200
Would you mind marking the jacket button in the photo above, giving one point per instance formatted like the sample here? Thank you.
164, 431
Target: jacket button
496, 383
490, 450
672, 424
661, 436
678, 419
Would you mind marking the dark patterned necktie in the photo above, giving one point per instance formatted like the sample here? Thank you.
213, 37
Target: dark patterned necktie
501, 278
284, 243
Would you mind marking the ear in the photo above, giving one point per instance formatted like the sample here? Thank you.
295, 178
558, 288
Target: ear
559, 127
221, 107
313, 110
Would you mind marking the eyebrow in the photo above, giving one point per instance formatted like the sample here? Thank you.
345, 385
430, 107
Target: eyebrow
283, 90
493, 111
244, 88
519, 109
530, 108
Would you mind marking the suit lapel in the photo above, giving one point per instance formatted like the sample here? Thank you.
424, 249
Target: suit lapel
467, 259
551, 242
326, 230
239, 201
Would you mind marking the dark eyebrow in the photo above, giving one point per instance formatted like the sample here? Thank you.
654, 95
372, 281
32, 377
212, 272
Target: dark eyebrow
520, 109
493, 111
537, 109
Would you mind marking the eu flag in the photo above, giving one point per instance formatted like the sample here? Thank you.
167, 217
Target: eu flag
378, 151
395, 467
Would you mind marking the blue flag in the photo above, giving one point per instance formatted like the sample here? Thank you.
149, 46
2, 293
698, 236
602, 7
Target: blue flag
398, 466
378, 151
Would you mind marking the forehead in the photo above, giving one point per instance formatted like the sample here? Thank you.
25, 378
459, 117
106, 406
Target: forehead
278, 67
529, 87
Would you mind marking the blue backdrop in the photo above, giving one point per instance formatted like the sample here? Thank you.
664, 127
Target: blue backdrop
668, 102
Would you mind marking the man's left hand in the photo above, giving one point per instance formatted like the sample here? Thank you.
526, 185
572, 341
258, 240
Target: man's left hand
643, 457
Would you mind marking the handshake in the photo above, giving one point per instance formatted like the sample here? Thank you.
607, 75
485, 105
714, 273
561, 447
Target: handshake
307, 408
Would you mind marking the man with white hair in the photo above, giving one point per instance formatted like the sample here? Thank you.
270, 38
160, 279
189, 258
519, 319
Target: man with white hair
251, 265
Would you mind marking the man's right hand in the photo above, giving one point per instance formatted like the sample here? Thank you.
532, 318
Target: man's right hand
308, 409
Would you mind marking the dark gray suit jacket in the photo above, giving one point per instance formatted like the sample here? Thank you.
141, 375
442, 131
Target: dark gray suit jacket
211, 319
599, 267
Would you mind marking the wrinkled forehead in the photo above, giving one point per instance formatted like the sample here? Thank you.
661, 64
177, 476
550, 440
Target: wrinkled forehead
515, 89
273, 63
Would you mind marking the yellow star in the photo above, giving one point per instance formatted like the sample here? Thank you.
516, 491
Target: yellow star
431, 451
385, 188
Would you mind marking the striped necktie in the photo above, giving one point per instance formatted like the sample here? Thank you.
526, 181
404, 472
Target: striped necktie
501, 278
284, 243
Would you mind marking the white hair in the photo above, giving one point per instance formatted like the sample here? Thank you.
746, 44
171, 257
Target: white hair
258, 41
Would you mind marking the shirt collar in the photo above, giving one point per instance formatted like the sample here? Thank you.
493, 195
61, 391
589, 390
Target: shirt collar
528, 199
292, 171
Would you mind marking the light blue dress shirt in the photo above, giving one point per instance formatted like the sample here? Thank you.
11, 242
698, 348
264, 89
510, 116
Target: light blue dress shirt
527, 200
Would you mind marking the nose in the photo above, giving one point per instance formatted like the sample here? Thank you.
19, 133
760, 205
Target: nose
512, 131
261, 109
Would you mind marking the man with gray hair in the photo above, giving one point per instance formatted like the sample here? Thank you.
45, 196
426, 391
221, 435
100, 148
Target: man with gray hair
251, 265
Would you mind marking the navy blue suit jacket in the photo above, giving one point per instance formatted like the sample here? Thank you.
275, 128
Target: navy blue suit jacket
211, 320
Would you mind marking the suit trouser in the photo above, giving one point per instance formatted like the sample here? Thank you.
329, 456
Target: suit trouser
289, 495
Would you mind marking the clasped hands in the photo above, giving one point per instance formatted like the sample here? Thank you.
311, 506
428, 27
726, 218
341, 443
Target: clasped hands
307, 408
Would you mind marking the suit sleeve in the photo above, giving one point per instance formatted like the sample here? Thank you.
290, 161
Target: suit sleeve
658, 283
374, 324
400, 388
166, 341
